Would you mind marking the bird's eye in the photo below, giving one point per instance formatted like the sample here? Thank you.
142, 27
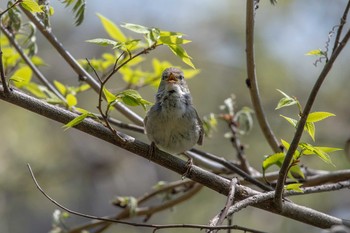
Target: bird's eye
181, 77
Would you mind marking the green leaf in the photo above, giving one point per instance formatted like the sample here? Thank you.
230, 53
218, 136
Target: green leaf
181, 53
173, 40
274, 159
103, 42
309, 149
22, 76
71, 100
36, 90
318, 116
290, 120
316, 52
132, 98
60, 87
286, 101
109, 96
78, 120
295, 187
324, 149
310, 128
137, 28
112, 30
285, 144
31, 6
296, 170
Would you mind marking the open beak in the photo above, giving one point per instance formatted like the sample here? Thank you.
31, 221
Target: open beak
172, 78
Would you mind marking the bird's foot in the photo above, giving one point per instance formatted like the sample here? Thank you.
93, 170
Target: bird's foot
189, 165
151, 151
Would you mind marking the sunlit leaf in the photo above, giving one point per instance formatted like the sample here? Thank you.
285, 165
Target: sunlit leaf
316, 52
109, 96
295, 187
309, 149
132, 98
36, 90
60, 87
71, 100
31, 6
78, 120
181, 53
22, 76
274, 159
137, 28
290, 120
310, 128
318, 116
112, 30
38, 61
190, 73
296, 170
286, 101
103, 42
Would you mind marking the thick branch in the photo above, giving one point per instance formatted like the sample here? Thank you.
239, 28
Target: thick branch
252, 82
208, 179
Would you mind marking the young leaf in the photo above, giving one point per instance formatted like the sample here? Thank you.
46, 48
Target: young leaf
109, 96
274, 159
181, 53
103, 42
318, 116
31, 6
71, 100
112, 30
310, 128
286, 101
310, 149
22, 76
60, 87
137, 28
316, 52
290, 120
132, 98
285, 144
295, 187
77, 120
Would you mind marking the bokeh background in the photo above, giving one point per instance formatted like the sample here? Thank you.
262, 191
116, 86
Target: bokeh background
85, 173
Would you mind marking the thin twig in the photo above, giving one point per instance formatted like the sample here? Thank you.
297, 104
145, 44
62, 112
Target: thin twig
9, 8
234, 168
220, 217
155, 226
300, 128
341, 26
252, 82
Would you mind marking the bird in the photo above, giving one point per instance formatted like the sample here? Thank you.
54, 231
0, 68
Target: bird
172, 124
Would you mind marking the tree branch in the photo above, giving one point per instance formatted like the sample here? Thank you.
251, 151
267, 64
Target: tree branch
252, 82
208, 179
301, 124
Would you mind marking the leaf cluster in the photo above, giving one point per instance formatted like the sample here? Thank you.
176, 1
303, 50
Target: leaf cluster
304, 149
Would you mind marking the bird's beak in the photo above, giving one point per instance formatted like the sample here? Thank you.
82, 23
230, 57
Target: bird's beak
172, 78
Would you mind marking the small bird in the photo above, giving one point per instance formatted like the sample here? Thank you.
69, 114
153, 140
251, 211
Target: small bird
172, 123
